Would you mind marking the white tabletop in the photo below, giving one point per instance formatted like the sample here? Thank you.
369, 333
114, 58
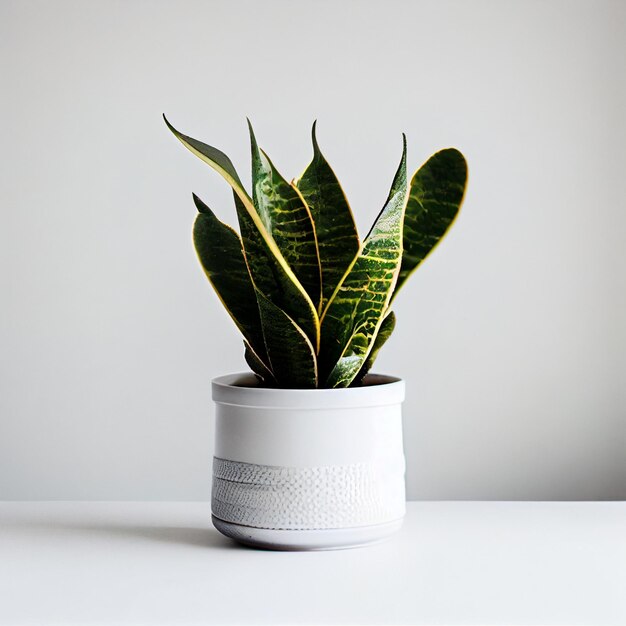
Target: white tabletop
453, 563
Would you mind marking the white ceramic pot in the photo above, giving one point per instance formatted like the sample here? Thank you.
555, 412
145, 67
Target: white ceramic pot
308, 469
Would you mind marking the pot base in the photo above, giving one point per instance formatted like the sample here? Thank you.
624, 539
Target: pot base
307, 540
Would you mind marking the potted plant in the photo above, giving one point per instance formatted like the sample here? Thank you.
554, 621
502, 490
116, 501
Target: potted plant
308, 451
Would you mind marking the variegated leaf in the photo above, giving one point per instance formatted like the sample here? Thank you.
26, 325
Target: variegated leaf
215, 158
221, 255
355, 311
384, 332
337, 238
435, 196
287, 218
268, 268
291, 355
275, 284
351, 360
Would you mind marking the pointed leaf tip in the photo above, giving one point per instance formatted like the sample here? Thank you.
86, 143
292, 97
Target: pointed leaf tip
171, 127
253, 142
168, 124
316, 148
199, 204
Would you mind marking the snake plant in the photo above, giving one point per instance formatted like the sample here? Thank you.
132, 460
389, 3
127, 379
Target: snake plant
313, 301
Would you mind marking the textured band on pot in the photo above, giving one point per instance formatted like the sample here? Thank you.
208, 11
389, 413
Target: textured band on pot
308, 498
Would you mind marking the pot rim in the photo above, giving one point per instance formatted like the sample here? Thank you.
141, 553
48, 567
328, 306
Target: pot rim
237, 389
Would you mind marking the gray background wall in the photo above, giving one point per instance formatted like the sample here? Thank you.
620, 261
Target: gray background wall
511, 338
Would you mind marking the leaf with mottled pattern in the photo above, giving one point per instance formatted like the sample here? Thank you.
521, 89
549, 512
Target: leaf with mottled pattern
274, 283
384, 332
355, 312
337, 238
268, 268
221, 255
435, 196
287, 218
290, 353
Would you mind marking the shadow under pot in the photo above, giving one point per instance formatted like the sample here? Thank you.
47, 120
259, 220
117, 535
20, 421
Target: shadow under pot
308, 469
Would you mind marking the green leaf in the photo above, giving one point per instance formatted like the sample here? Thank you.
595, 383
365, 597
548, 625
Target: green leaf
384, 332
287, 218
269, 271
257, 366
436, 193
215, 158
351, 360
337, 237
355, 311
221, 255
270, 279
291, 354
